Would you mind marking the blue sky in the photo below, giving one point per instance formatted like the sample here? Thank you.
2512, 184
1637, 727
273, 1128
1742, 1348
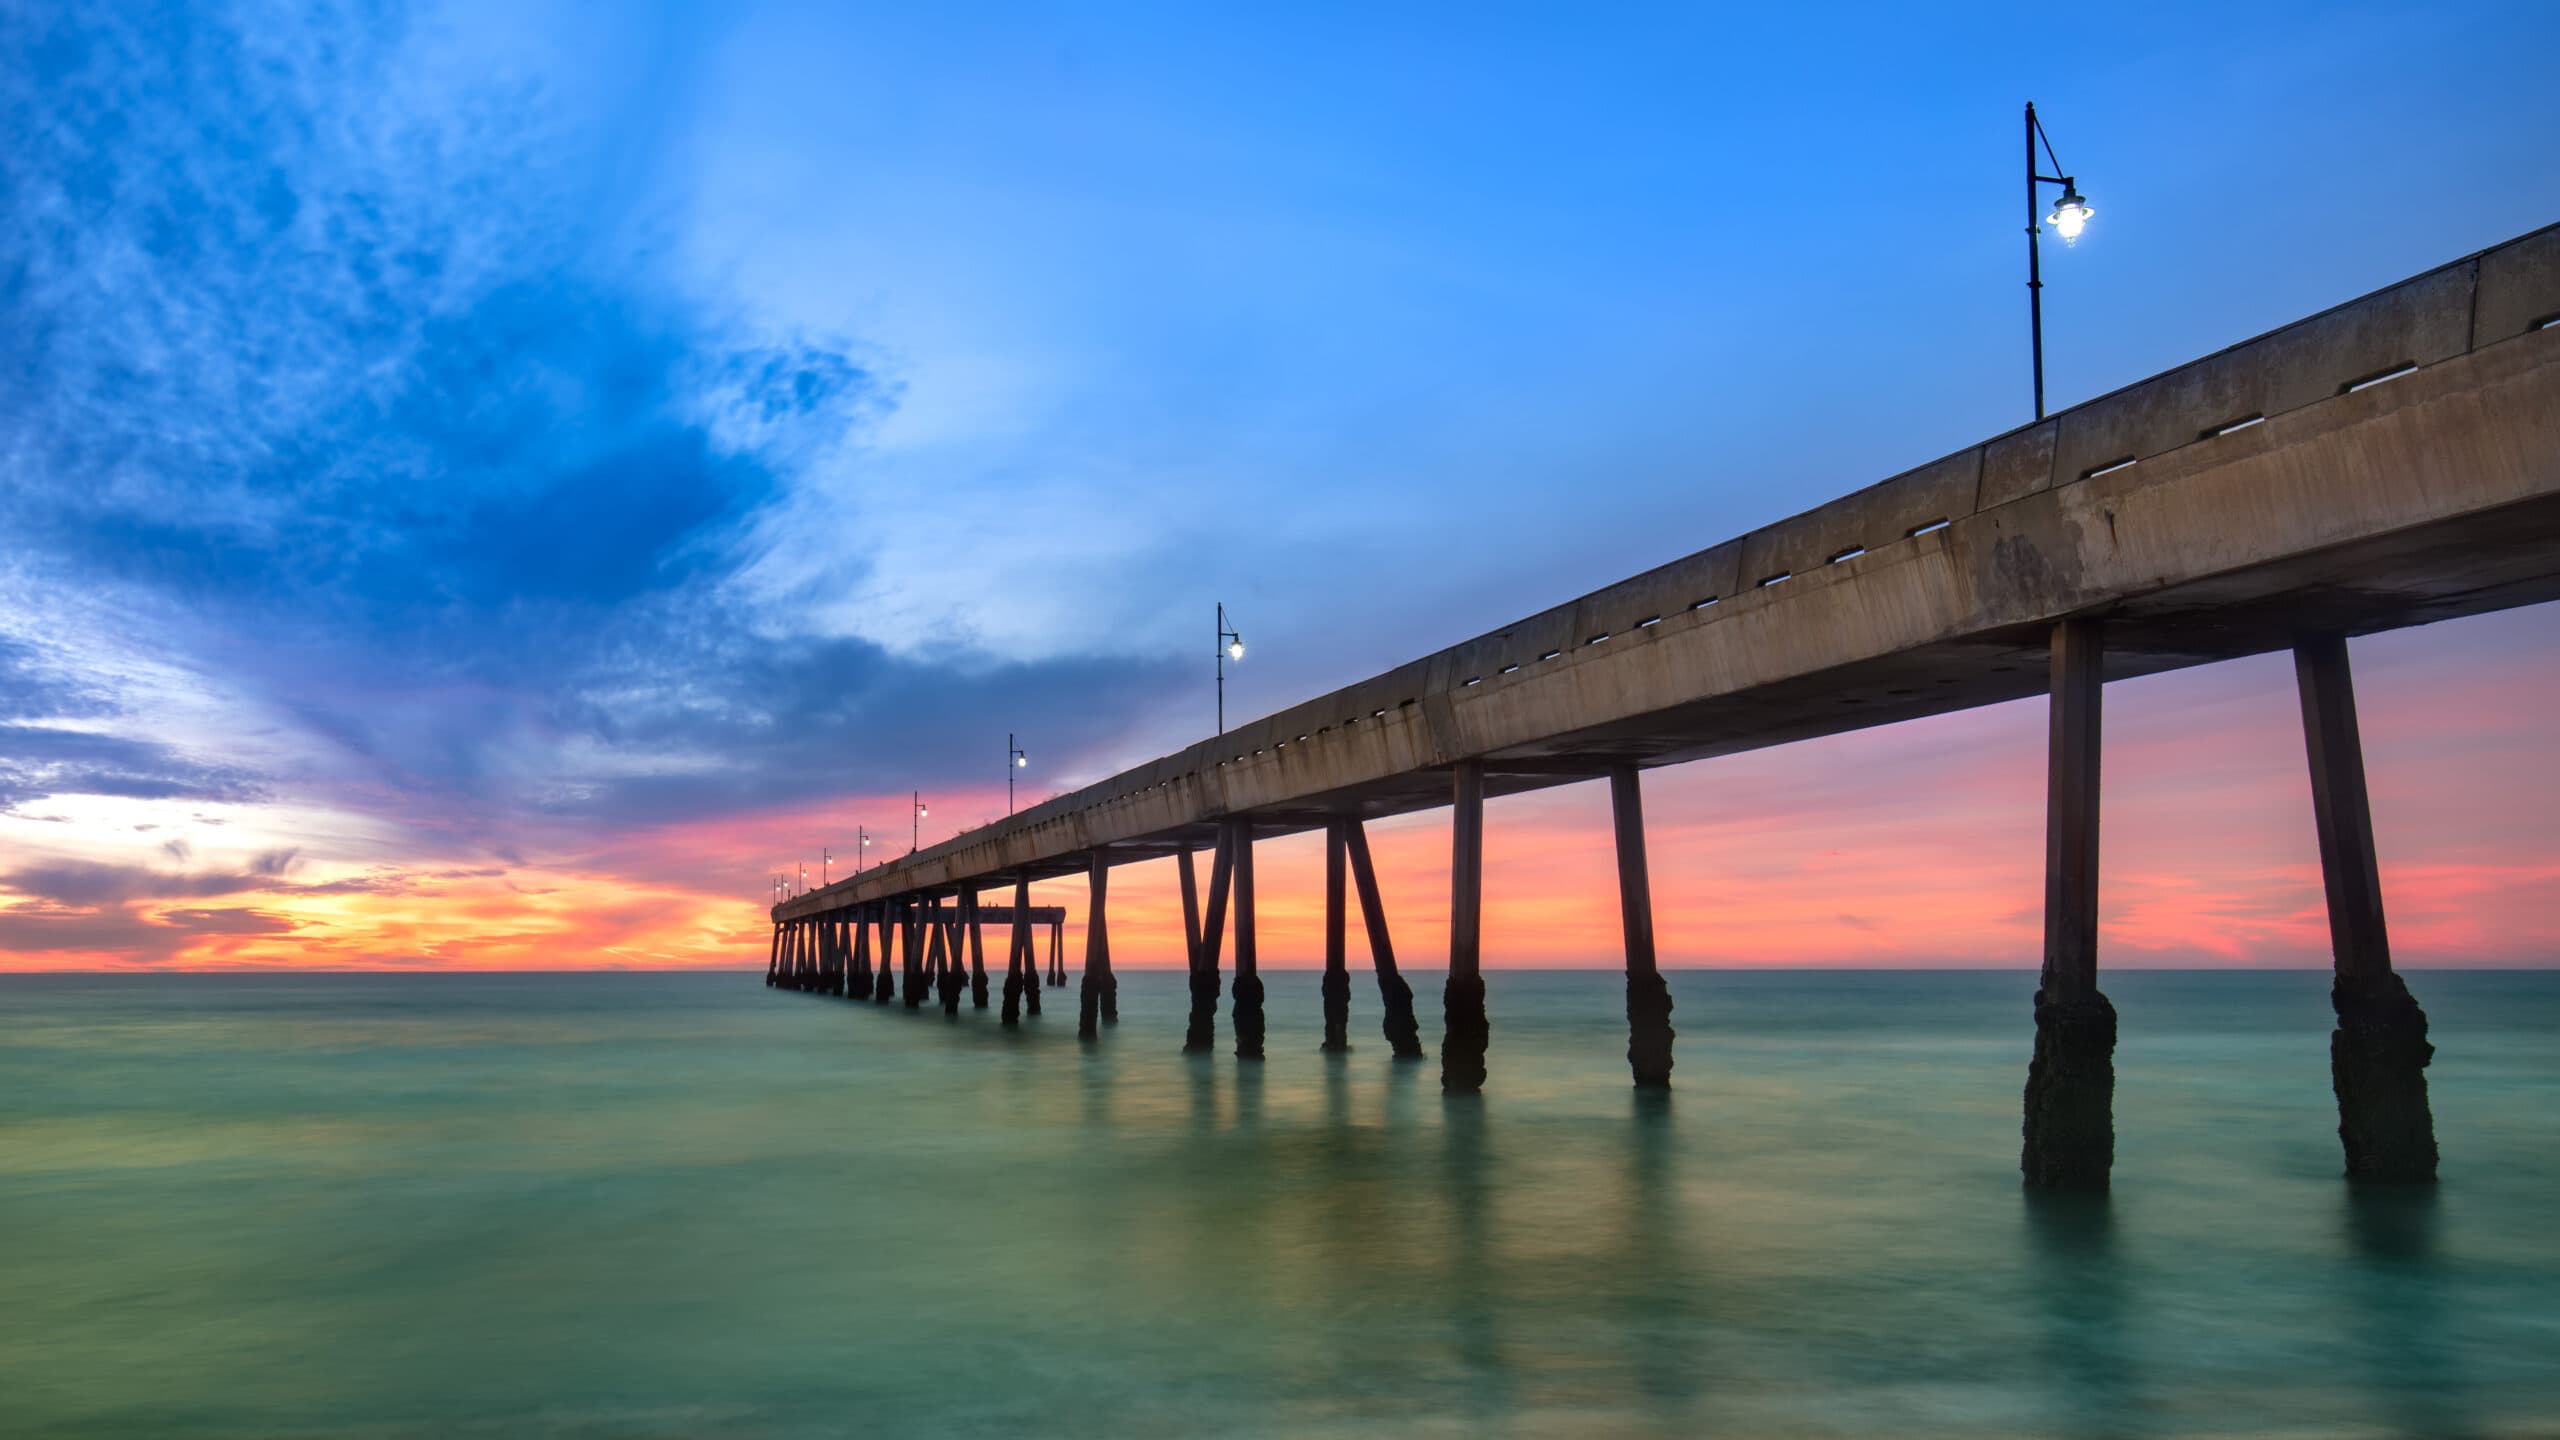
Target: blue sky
453, 435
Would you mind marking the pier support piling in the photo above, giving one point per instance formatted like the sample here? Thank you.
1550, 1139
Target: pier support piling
1018, 955
946, 945
1649, 1030
2069, 1132
885, 986
2379, 1051
977, 950
860, 924
1247, 1011
1467, 1032
1208, 931
1337, 972
1395, 993
773, 960
911, 949
1097, 1000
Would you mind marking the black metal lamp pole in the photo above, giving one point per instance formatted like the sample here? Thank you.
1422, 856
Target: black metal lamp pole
915, 824
1014, 760
2069, 214
1230, 645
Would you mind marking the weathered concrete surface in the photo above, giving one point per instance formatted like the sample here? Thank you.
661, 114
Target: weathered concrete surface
2378, 1055
1466, 1032
1395, 993
1247, 991
1649, 1032
2378, 1065
1337, 971
2069, 1136
2432, 495
1206, 931
1097, 998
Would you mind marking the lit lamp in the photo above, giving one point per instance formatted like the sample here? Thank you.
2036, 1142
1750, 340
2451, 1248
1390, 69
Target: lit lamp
915, 826
2070, 216
1018, 760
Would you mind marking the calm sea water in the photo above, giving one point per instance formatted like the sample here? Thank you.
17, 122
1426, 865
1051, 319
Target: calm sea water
647, 1206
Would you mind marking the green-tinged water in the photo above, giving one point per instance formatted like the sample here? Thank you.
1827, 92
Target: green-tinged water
634, 1205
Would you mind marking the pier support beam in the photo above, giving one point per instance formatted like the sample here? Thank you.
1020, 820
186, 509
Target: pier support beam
2378, 1054
946, 946
860, 924
977, 949
773, 960
1032, 980
1247, 1012
1337, 972
1098, 998
1395, 993
2069, 1134
1207, 933
1467, 1031
1017, 968
911, 945
886, 985
1648, 998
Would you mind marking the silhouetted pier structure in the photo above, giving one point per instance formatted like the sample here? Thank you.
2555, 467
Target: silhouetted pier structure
2390, 462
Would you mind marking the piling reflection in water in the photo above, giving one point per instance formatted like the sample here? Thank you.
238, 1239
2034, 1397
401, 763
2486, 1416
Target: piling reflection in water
626, 1204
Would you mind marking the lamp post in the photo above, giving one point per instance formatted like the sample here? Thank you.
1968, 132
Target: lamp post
1014, 760
804, 878
2070, 213
861, 842
1230, 647
824, 855
915, 825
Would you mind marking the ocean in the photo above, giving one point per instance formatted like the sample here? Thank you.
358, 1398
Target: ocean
660, 1205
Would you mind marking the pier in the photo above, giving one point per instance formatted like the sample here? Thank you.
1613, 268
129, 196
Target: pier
2391, 462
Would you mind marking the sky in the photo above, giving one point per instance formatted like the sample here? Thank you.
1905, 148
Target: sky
488, 485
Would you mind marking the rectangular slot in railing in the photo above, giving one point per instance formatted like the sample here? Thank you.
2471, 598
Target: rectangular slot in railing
2109, 468
1774, 579
1550, 655
1648, 622
1596, 639
1703, 604
2379, 377
1507, 669
2233, 427
1852, 553
1916, 531
2545, 323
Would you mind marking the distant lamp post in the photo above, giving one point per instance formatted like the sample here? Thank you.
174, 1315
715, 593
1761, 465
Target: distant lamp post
861, 842
2070, 216
1014, 760
824, 855
915, 837
1230, 647
804, 877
